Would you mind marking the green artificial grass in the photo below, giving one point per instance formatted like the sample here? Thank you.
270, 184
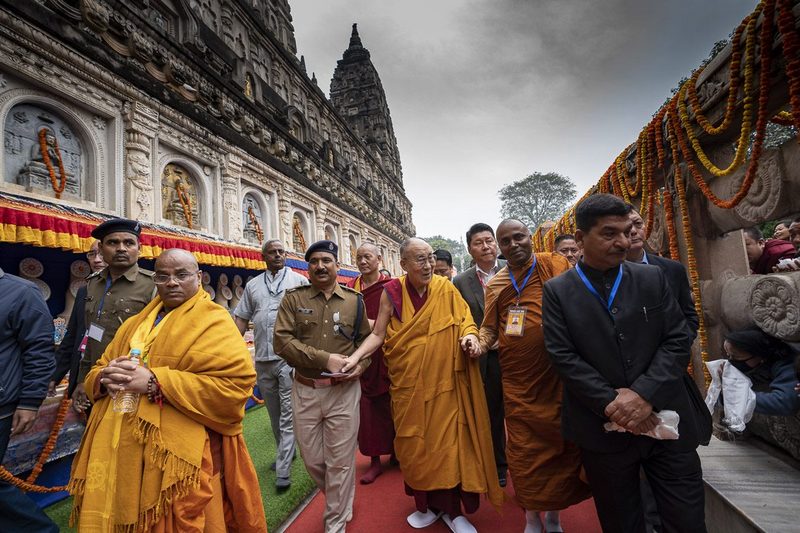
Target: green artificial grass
261, 445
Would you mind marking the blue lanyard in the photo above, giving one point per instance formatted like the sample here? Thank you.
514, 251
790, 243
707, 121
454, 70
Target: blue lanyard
591, 288
103, 298
524, 282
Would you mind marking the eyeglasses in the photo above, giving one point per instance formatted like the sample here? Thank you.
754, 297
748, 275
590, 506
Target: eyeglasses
92, 255
180, 277
422, 260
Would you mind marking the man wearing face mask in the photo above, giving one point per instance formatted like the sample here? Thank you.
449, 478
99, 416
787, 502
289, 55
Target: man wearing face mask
317, 328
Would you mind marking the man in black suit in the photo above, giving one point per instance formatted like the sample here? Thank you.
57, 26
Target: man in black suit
679, 284
620, 342
69, 352
470, 283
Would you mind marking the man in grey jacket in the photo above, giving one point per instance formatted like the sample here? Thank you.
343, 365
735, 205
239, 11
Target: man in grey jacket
26, 364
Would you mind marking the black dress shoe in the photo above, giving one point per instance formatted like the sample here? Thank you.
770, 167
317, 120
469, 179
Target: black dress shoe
501, 477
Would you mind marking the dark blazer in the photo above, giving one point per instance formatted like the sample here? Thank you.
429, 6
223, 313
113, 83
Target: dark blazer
679, 284
645, 348
68, 355
472, 291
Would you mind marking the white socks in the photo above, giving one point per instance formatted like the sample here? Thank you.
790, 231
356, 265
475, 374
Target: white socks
532, 522
552, 521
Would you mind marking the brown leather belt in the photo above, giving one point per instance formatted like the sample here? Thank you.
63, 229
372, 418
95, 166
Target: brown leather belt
319, 383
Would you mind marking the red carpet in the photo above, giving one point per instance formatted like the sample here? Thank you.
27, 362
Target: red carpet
382, 507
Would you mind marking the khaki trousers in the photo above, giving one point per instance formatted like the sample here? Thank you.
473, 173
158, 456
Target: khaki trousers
326, 428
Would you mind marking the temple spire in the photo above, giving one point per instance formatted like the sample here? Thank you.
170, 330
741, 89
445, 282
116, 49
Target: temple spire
355, 40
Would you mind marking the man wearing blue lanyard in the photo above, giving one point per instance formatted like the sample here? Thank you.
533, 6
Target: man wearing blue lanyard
619, 340
259, 304
113, 295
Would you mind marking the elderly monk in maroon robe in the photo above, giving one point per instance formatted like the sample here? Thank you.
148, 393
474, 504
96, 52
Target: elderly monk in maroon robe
443, 439
544, 467
376, 431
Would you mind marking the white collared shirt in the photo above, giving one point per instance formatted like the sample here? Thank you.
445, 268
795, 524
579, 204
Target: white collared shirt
485, 277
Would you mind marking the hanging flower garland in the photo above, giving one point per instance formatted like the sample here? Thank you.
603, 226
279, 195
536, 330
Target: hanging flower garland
791, 55
186, 203
60, 183
28, 484
784, 118
669, 218
733, 77
747, 111
761, 123
254, 221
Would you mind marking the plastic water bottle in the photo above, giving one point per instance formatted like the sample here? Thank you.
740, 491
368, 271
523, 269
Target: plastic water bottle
127, 402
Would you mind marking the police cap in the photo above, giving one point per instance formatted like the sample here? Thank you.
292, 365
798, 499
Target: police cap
117, 225
323, 246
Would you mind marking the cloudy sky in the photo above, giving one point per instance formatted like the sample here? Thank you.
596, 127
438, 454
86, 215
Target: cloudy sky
485, 92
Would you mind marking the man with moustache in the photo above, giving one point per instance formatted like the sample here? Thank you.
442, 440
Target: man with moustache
317, 327
376, 431
544, 467
259, 304
68, 354
471, 284
620, 342
179, 461
438, 404
118, 292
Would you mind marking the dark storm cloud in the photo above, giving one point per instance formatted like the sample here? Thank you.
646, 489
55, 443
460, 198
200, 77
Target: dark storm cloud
485, 92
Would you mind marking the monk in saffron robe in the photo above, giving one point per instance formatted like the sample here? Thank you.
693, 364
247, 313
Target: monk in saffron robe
376, 430
443, 440
178, 463
544, 467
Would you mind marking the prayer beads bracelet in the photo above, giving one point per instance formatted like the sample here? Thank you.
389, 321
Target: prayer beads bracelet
154, 393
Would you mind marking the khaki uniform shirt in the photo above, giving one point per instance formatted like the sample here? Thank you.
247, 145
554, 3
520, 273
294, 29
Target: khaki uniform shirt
126, 296
306, 328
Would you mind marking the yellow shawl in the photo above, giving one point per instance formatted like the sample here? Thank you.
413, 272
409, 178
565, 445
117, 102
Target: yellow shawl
438, 403
206, 376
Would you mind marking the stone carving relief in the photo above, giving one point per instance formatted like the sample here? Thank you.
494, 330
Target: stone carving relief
658, 238
43, 153
765, 192
774, 302
179, 198
253, 220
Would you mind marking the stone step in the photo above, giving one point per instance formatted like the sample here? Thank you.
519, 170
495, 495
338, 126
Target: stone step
749, 487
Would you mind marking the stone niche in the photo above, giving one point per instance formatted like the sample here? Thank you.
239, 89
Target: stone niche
180, 200
253, 219
44, 153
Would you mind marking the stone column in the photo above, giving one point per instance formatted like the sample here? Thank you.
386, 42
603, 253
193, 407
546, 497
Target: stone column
285, 194
141, 183
320, 210
231, 206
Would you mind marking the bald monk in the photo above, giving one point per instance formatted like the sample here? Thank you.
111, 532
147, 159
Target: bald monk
545, 468
376, 430
443, 439
179, 462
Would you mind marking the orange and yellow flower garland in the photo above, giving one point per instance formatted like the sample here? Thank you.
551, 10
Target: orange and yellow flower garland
253, 220
59, 187
791, 55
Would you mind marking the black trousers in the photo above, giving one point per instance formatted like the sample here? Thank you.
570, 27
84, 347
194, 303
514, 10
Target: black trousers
676, 480
493, 387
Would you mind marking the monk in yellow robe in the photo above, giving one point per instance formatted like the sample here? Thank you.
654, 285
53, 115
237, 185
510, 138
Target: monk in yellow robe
178, 462
442, 441
544, 467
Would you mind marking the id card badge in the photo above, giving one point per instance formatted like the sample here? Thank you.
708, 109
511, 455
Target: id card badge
95, 332
515, 325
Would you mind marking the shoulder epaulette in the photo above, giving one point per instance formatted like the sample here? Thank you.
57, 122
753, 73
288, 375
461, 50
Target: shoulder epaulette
294, 289
93, 275
349, 289
148, 273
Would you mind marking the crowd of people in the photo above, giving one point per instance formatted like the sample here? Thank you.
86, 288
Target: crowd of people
556, 369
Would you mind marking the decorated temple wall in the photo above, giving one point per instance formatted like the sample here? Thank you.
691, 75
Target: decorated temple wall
125, 153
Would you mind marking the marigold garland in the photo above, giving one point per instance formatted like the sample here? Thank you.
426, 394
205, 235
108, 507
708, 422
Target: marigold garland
733, 76
784, 118
59, 187
669, 218
747, 111
791, 55
186, 203
28, 484
761, 123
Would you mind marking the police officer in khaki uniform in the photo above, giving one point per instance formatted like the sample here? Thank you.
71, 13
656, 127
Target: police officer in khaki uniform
317, 327
113, 295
